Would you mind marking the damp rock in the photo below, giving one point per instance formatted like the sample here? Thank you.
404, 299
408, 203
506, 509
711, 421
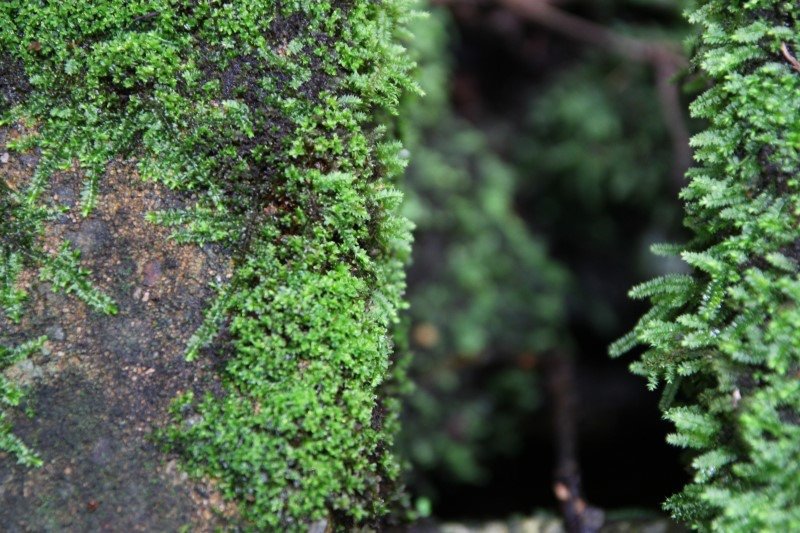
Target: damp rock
55, 333
102, 451
151, 273
24, 373
92, 237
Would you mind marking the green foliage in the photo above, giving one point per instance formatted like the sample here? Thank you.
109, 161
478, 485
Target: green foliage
16, 242
599, 160
11, 296
265, 112
65, 273
599, 143
17, 228
483, 289
11, 395
20, 227
728, 334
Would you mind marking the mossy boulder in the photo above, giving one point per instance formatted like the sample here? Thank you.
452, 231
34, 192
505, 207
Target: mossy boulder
204, 182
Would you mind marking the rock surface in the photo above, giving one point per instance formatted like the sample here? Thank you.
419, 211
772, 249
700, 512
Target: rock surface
104, 383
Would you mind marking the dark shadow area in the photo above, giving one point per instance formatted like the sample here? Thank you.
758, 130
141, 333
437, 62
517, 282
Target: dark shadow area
583, 136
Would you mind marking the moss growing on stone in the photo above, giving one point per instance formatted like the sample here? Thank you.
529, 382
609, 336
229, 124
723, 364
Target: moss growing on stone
21, 223
724, 338
11, 395
265, 112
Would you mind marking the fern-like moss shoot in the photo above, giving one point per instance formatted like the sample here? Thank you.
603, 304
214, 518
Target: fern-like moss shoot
725, 339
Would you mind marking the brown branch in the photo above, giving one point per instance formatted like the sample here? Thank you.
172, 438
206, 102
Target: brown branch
789, 57
665, 61
672, 112
579, 517
545, 14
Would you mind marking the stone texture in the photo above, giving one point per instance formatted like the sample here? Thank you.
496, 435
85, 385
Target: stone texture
104, 383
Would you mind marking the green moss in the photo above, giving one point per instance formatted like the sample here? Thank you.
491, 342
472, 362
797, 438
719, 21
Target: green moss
483, 286
11, 395
725, 338
20, 225
266, 111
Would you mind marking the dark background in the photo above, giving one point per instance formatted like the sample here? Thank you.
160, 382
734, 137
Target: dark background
543, 166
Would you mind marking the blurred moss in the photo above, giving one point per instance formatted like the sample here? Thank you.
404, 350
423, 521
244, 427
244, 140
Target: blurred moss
526, 226
486, 298
600, 165
595, 136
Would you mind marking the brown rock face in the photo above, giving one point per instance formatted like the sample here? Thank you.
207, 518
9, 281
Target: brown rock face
103, 382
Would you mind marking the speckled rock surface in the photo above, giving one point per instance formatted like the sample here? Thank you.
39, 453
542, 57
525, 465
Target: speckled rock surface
103, 383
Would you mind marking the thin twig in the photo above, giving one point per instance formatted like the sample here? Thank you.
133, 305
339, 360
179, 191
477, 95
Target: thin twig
672, 112
545, 14
579, 517
665, 61
147, 16
789, 57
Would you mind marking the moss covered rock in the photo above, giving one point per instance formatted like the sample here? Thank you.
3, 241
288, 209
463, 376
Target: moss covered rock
257, 126
724, 338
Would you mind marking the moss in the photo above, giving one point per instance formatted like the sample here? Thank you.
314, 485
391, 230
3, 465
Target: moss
266, 113
483, 288
11, 395
724, 338
20, 225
